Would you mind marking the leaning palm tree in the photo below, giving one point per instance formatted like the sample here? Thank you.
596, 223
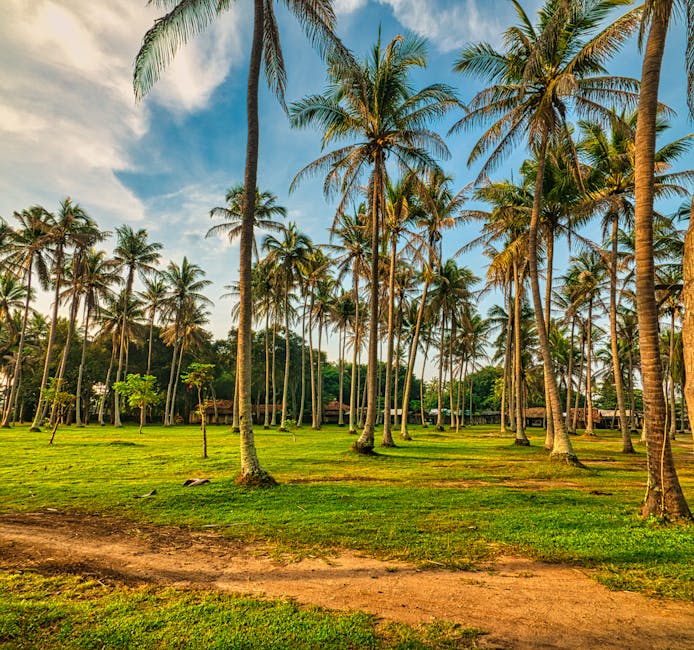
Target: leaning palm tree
138, 257
542, 72
374, 105
153, 295
264, 213
185, 20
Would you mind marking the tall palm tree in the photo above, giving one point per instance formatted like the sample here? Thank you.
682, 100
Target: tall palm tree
664, 495
153, 295
185, 20
136, 256
98, 276
70, 226
185, 295
264, 213
539, 75
373, 104
288, 255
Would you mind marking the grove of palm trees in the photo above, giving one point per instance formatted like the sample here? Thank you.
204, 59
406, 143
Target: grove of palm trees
375, 359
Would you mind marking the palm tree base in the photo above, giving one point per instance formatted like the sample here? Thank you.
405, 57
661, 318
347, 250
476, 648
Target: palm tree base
256, 479
389, 443
352, 432
405, 435
283, 429
440, 427
568, 459
35, 429
521, 442
235, 430
366, 449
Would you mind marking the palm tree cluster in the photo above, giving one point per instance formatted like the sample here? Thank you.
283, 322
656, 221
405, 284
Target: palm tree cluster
59, 251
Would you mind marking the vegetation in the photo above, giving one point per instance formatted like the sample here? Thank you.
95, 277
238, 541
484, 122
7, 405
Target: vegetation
445, 499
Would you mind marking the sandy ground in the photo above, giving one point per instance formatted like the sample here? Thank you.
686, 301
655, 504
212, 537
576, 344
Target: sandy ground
520, 603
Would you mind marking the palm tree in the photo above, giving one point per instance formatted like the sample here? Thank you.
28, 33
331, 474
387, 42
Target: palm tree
541, 72
138, 257
352, 234
98, 276
288, 255
185, 294
185, 20
67, 230
153, 295
374, 104
264, 213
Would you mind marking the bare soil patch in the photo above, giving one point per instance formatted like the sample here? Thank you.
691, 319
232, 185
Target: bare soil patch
521, 603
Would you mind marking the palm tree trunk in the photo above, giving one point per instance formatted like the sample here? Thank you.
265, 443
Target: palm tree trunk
521, 439
341, 341
74, 308
549, 437
273, 414
319, 374
167, 420
40, 410
20, 350
451, 338
353, 389
302, 401
149, 343
439, 395
507, 361
589, 372
569, 375
365, 443
312, 374
266, 417
107, 384
688, 318
251, 471
664, 497
411, 361
673, 404
387, 433
627, 446
562, 449
123, 343
78, 392
285, 383
175, 384
578, 383
421, 384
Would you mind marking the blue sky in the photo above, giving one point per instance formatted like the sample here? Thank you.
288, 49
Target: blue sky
69, 124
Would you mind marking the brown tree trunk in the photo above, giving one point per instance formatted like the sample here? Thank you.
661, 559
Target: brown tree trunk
387, 432
562, 449
549, 437
521, 438
664, 497
354, 388
589, 372
251, 471
688, 319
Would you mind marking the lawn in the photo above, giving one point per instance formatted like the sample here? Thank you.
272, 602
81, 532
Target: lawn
440, 500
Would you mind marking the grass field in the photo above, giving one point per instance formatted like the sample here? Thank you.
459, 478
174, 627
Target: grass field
441, 499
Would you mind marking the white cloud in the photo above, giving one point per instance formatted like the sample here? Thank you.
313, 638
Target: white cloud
447, 25
343, 7
68, 117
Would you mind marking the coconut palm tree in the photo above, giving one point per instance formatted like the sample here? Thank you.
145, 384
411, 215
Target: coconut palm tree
264, 213
288, 256
70, 228
373, 104
664, 495
98, 277
185, 295
136, 256
185, 20
540, 74
153, 295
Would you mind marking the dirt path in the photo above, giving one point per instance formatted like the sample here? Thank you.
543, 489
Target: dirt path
519, 602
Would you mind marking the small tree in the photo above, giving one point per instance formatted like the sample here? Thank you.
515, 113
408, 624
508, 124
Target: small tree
61, 401
200, 375
141, 391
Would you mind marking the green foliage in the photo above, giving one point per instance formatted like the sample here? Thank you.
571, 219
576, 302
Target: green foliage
57, 396
78, 612
441, 499
140, 390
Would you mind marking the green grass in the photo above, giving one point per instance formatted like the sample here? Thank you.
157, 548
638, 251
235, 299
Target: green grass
71, 612
442, 499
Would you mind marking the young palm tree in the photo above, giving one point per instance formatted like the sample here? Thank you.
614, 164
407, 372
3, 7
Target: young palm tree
138, 257
541, 73
185, 20
287, 255
374, 104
